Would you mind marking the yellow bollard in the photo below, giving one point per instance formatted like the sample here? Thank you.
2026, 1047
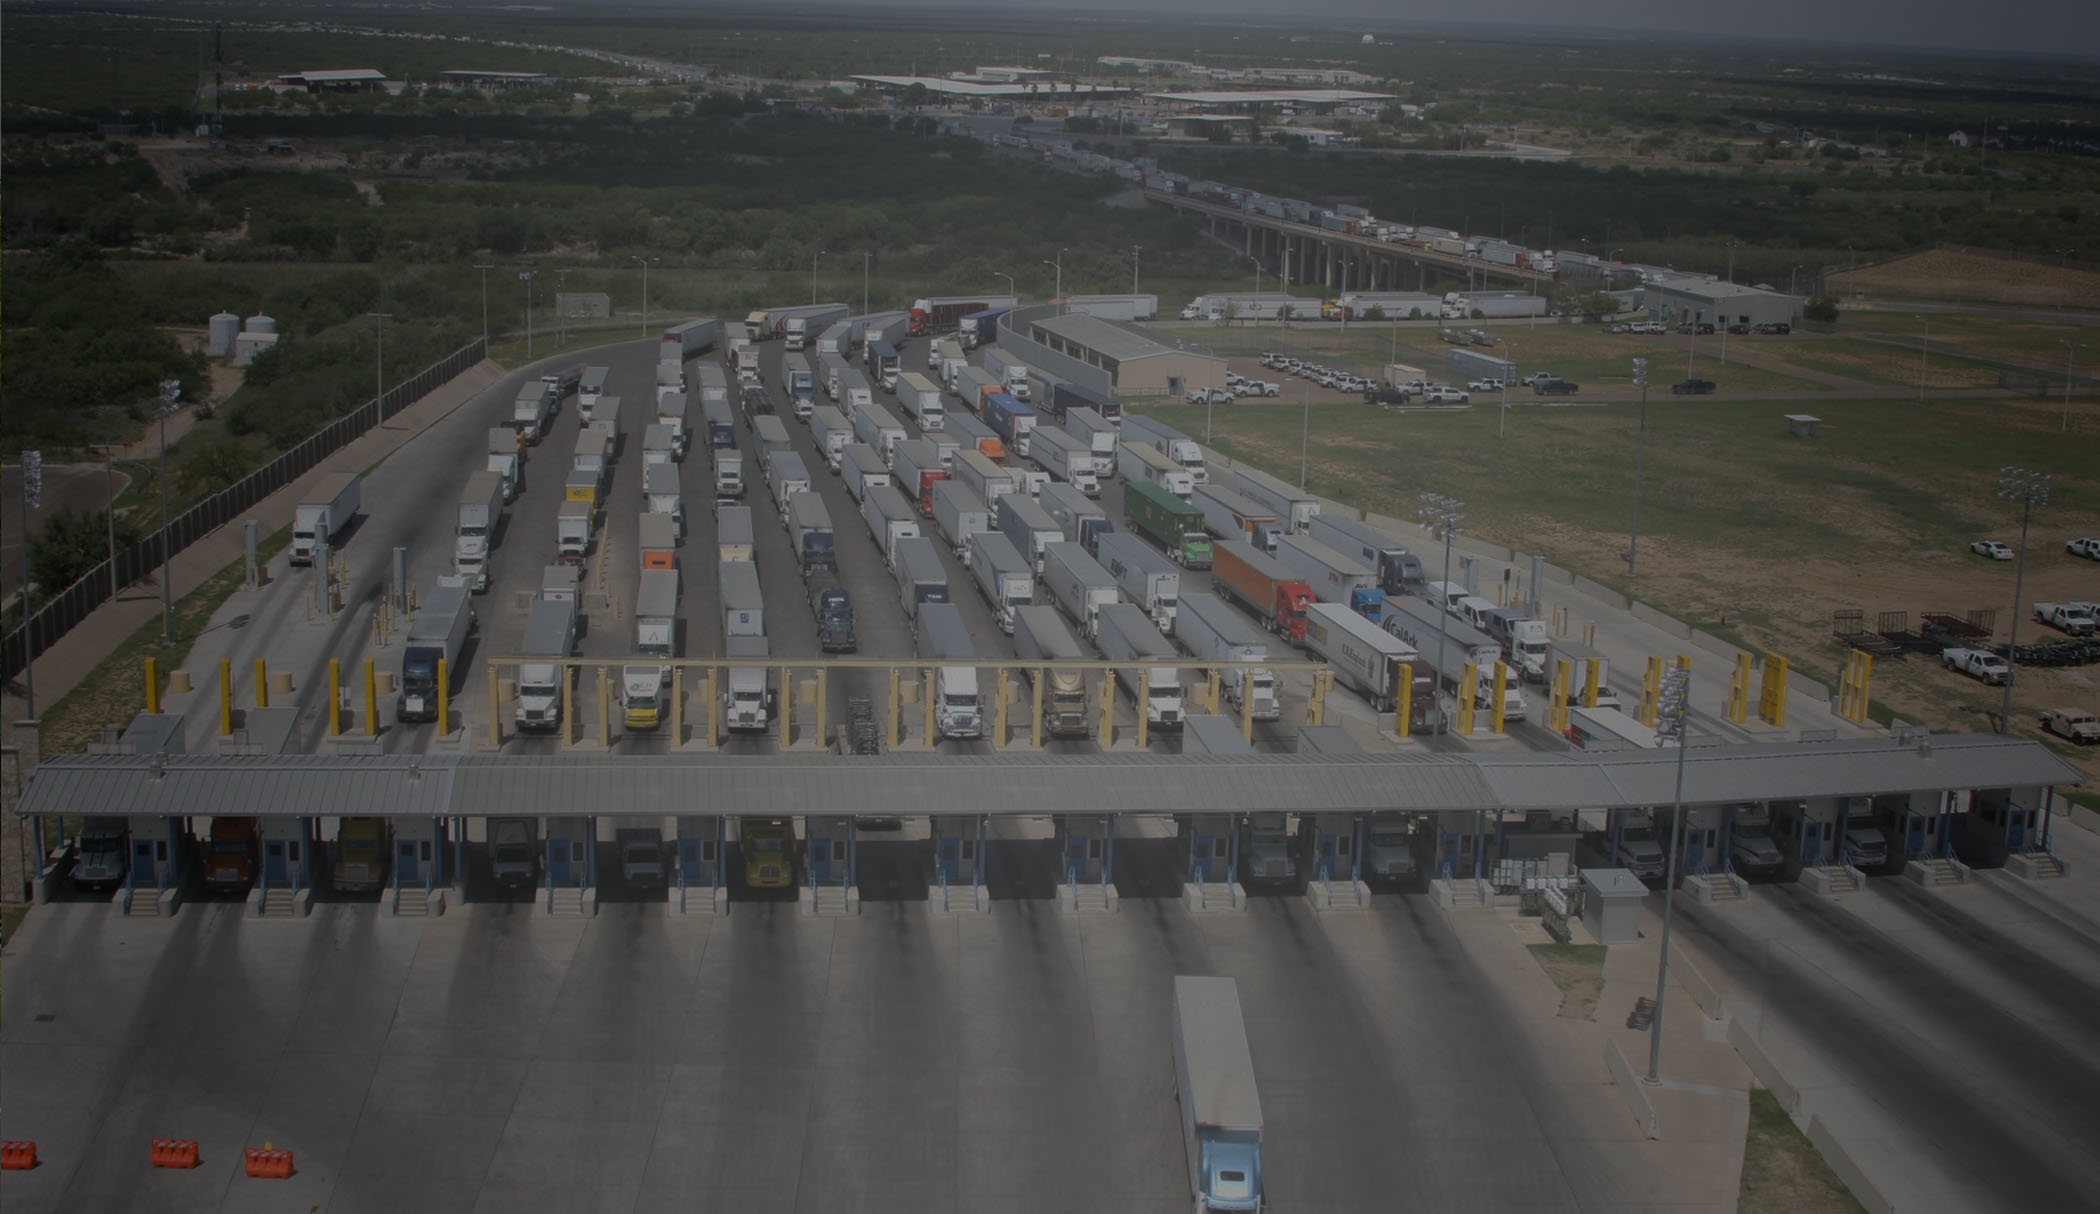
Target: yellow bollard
1144, 705
495, 709
1651, 691
1404, 714
262, 683
895, 708
1217, 689
444, 721
225, 697
785, 697
926, 679
1316, 704
823, 705
999, 714
1501, 691
1108, 709
1738, 708
1467, 698
604, 710
568, 709
677, 706
335, 696
153, 685
714, 708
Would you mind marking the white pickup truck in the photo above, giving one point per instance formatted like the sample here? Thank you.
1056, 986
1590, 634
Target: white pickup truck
1977, 664
2074, 618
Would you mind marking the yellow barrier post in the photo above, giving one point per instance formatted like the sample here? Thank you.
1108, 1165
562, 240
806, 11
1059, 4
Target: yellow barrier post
1108, 709
262, 683
1771, 699
1144, 705
714, 711
926, 694
444, 698
1557, 701
152, 668
1738, 708
1404, 702
1852, 686
823, 708
1316, 703
1501, 692
568, 709
999, 713
895, 708
1035, 718
495, 710
677, 705
1246, 701
786, 699
1651, 691
335, 694
604, 710
371, 700
225, 697
1591, 669
1469, 680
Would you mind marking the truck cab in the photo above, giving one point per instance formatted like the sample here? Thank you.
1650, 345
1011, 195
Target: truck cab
768, 849
513, 852
642, 695
1266, 855
100, 853
641, 857
1388, 852
230, 862
1752, 851
1865, 846
360, 855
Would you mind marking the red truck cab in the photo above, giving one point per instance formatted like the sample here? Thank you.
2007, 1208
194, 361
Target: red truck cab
229, 861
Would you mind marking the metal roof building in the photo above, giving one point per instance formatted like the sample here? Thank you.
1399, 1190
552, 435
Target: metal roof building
1722, 303
1015, 784
1135, 361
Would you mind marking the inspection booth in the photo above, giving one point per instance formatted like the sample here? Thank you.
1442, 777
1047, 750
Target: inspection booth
572, 853
1611, 904
959, 863
831, 850
699, 878
2002, 823
1086, 848
1807, 832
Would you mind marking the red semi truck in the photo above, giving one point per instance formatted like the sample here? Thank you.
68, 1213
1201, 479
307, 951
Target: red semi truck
1261, 584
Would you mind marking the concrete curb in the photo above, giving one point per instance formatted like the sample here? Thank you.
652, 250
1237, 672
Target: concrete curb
1834, 1154
1631, 1089
1702, 992
1760, 1064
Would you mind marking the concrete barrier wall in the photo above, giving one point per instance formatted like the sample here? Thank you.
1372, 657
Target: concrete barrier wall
1668, 623
1847, 1169
1714, 644
1603, 594
1695, 984
1753, 1055
1630, 1089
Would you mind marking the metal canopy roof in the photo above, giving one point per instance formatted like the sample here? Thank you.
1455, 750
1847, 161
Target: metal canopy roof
1015, 784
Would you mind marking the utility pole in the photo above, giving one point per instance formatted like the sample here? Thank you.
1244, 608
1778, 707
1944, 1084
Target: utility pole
1673, 702
170, 400
379, 363
1443, 513
644, 263
32, 499
484, 305
1134, 251
2031, 490
1633, 542
525, 276
813, 276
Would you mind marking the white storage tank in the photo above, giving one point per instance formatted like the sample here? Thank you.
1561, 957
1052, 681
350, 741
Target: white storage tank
222, 328
259, 323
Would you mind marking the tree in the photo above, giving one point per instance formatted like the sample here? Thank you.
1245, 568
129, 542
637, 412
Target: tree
1823, 309
72, 544
916, 95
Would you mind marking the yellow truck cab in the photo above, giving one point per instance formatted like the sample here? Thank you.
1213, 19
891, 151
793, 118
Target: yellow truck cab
768, 846
360, 855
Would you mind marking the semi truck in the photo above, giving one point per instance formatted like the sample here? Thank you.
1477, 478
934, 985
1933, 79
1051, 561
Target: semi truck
1010, 373
747, 703
657, 539
920, 399
809, 528
1210, 629
1523, 640
1066, 458
1253, 579
769, 434
981, 328
797, 327
1294, 507
1040, 635
688, 339
1220, 1110
916, 465
788, 478
325, 514
801, 383
1334, 578
729, 474
1096, 430
1142, 465
1011, 420
589, 387
944, 314
973, 435
973, 384
659, 444
532, 410
959, 514
572, 532
1078, 585
1082, 519
883, 364
958, 706
1004, 576
1125, 635
550, 632
1028, 525
833, 607
505, 460
743, 603
890, 518
981, 476
1169, 521
1175, 445
1114, 307
436, 635
665, 495
480, 507
877, 427
1147, 579
921, 578
733, 535
1396, 570
863, 469
1364, 657
837, 341
670, 377
892, 327
831, 431
1228, 515
1415, 622
656, 613
855, 392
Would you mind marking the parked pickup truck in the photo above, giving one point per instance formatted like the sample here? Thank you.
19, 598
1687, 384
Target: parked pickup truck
1693, 387
1977, 664
1555, 387
2072, 725
2074, 618
2087, 547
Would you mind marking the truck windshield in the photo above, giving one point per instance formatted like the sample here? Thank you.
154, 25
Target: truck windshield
969, 701
100, 843
513, 853
1389, 838
229, 847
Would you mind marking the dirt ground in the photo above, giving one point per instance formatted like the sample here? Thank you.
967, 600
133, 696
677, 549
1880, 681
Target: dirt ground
1973, 278
1578, 970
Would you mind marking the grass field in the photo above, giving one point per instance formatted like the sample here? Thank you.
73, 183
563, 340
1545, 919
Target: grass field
1874, 362
2035, 342
1782, 1173
1973, 278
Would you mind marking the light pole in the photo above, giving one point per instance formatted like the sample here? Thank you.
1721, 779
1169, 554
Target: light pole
1924, 346
1257, 274
2067, 382
32, 499
1305, 435
1640, 448
1059, 266
525, 276
379, 363
170, 400
644, 263
561, 323
1443, 513
1669, 723
1011, 289
1134, 251
484, 305
813, 276
2031, 490
867, 259
1502, 422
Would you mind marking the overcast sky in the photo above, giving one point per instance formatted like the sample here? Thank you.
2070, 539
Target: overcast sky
2052, 27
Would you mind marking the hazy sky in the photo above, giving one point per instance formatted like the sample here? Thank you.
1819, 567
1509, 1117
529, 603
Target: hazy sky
2052, 27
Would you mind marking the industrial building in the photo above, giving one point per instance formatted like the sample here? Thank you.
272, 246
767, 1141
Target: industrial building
1136, 363
1721, 303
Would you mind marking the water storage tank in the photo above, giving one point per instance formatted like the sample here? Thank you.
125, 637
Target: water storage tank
259, 323
222, 327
